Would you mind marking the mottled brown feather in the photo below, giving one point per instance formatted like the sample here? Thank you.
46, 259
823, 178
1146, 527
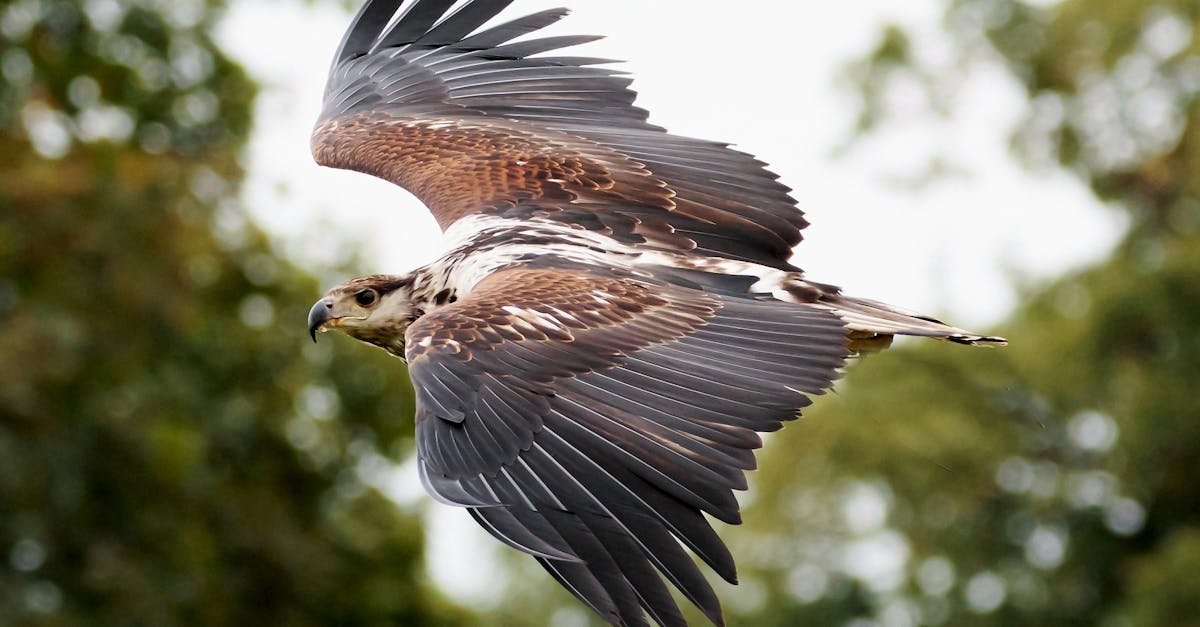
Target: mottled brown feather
461, 166
486, 125
595, 418
572, 303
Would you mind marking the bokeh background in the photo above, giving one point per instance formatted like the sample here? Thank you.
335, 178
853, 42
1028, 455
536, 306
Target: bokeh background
174, 452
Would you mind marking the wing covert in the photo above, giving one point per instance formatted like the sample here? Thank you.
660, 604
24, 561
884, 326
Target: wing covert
472, 122
593, 420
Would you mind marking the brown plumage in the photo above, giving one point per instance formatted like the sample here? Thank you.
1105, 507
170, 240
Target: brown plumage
459, 167
539, 305
478, 126
616, 318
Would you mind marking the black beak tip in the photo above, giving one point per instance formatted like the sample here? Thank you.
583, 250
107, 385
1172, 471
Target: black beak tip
317, 317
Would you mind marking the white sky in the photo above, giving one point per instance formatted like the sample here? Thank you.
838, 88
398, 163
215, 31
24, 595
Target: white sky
756, 73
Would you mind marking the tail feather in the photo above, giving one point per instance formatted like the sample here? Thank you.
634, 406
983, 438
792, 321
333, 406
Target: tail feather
872, 324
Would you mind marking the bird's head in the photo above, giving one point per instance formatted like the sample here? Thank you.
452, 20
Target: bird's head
374, 309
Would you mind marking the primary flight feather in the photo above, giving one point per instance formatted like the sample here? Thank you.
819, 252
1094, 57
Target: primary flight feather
615, 319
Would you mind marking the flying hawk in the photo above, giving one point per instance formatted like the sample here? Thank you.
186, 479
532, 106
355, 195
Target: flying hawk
615, 318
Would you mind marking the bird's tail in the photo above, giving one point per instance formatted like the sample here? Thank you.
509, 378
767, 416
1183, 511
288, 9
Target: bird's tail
873, 324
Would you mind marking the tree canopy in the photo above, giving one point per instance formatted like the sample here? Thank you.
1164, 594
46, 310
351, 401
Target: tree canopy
1050, 482
173, 452
172, 449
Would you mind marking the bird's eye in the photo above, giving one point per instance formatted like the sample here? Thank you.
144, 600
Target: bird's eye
366, 298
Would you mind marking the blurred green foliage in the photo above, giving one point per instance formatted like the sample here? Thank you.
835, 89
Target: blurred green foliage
1052, 482
173, 451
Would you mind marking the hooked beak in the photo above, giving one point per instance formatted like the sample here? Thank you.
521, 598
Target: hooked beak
319, 316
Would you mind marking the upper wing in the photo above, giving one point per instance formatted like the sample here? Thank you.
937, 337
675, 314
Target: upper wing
472, 123
589, 420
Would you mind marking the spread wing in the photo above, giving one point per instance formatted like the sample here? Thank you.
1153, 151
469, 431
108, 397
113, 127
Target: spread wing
471, 122
591, 421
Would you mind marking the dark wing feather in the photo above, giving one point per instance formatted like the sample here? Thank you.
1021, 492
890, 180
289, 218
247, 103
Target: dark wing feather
414, 23
364, 29
592, 420
472, 122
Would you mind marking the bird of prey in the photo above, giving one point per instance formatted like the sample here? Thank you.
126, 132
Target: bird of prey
615, 318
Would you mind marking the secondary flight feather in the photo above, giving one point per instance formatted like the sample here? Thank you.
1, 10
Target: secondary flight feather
615, 319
